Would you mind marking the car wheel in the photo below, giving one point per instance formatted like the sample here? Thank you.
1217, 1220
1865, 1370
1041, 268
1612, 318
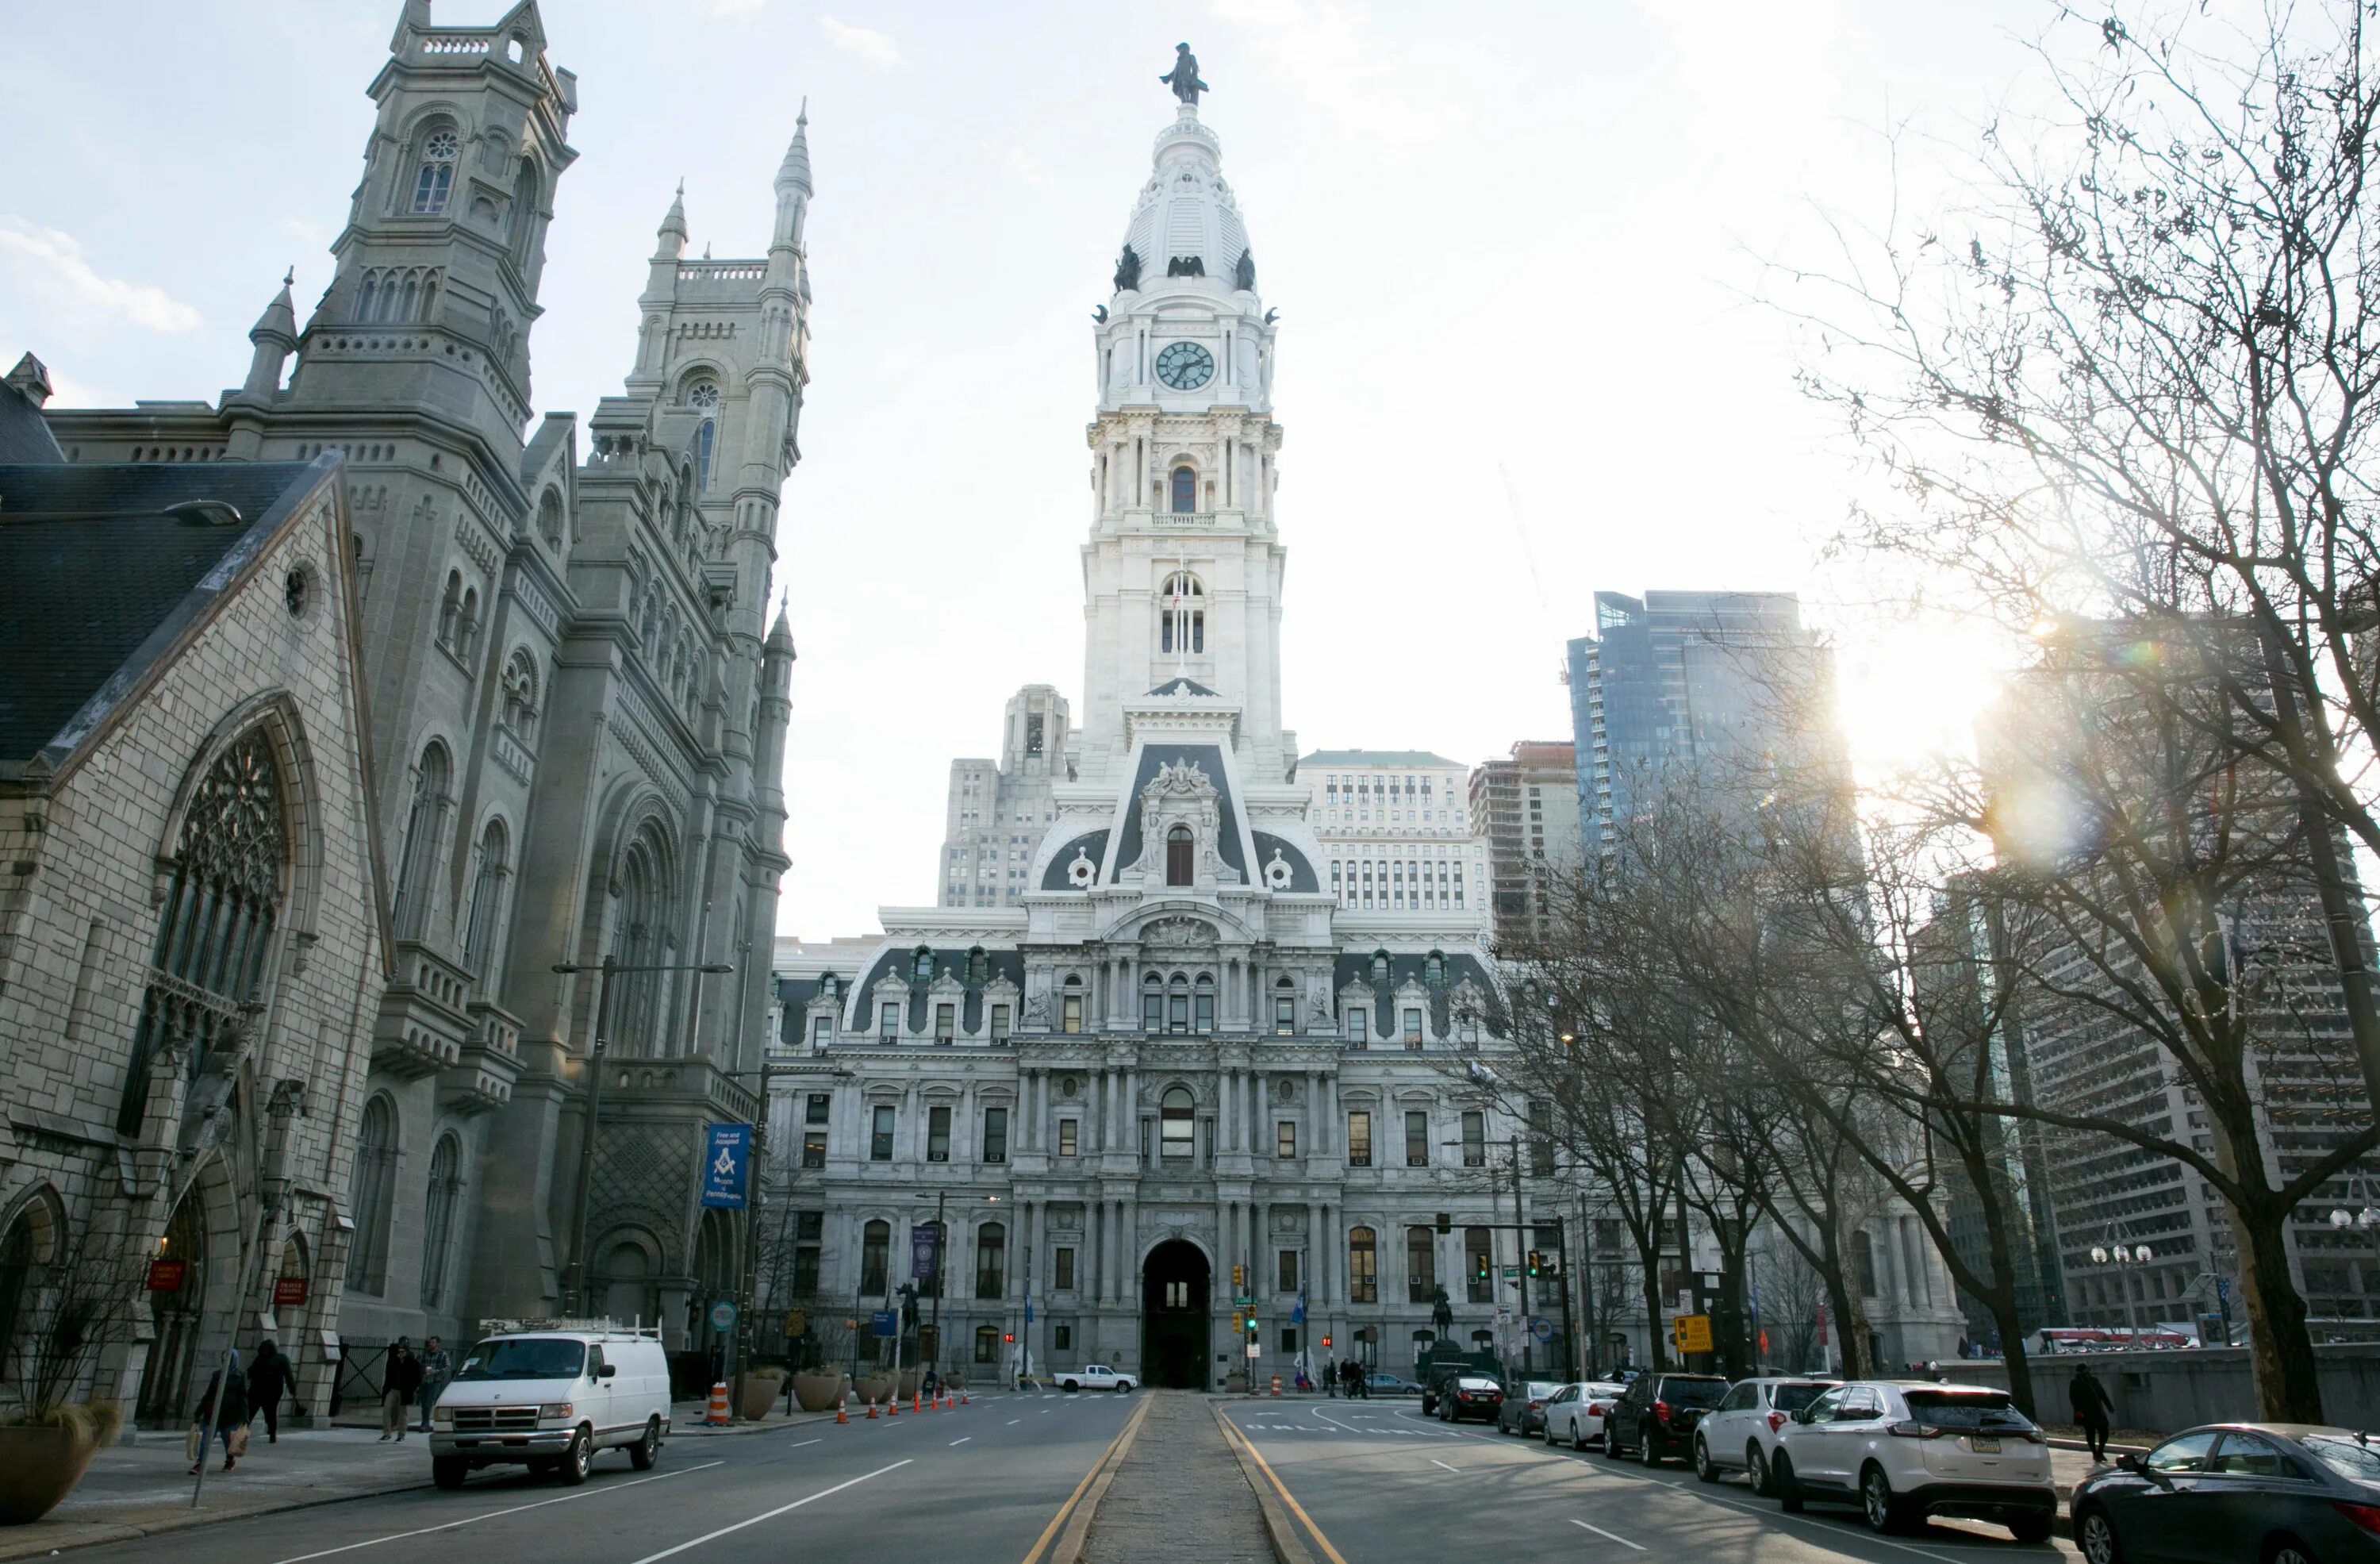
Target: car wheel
1611, 1447
1646, 1454
1070, 1387
1123, 1385
1789, 1492
2288, 1550
577, 1458
648, 1448
1883, 1511
448, 1471
1757, 1464
1705, 1468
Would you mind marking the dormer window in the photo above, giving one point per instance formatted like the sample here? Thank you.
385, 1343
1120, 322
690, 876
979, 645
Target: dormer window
1179, 855
434, 179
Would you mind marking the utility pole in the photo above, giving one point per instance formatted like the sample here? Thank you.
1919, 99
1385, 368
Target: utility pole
1520, 1238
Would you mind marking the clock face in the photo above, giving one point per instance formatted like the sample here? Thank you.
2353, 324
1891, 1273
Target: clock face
1185, 366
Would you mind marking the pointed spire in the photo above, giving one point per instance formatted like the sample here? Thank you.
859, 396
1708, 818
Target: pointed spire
414, 16
795, 172
280, 317
780, 634
671, 232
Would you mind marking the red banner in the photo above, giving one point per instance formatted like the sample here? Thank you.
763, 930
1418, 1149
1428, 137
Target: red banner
167, 1276
288, 1291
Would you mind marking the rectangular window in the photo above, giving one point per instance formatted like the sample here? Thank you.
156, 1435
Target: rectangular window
814, 1148
1062, 1339
1362, 1267
1412, 1028
1285, 1140
1063, 1269
880, 1143
806, 1270
1359, 1025
995, 1135
1066, 1137
1479, 1266
937, 1134
1359, 1140
875, 1253
1205, 1012
1474, 1139
888, 1021
946, 1023
986, 1345
1177, 1012
1421, 1265
1541, 1139
1289, 1341
1284, 1015
1416, 1139
990, 1262
1152, 1010
1070, 1014
821, 1032
816, 1110
1000, 1023
1288, 1277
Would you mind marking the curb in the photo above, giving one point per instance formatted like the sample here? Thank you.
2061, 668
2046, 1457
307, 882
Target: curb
102, 1532
1069, 1546
1287, 1546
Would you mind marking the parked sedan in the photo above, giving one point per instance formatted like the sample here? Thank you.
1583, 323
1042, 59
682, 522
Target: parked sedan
1524, 1411
1575, 1419
2281, 1493
1389, 1384
1740, 1433
1468, 1396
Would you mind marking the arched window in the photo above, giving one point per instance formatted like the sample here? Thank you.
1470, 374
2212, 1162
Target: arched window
1181, 627
438, 1219
921, 965
1152, 1003
875, 1253
434, 177
644, 933
1203, 1003
467, 633
549, 519
1179, 856
1363, 1266
524, 215
1177, 1004
990, 1261
417, 855
484, 921
1284, 1008
31, 1242
450, 610
627, 1286
1185, 490
520, 693
370, 1192
230, 875
1177, 1114
702, 441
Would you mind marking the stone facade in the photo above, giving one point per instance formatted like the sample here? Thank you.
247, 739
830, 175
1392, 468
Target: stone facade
573, 686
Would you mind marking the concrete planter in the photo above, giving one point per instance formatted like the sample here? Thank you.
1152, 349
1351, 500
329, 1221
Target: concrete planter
38, 1466
817, 1392
876, 1388
762, 1391
910, 1380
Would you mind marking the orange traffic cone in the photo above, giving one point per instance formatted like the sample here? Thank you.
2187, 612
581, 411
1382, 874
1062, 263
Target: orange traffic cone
913, 1402
871, 1409
963, 1400
839, 1416
893, 1403
717, 1416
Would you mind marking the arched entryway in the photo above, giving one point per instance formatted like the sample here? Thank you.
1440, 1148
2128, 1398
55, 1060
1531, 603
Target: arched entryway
1174, 1336
179, 1311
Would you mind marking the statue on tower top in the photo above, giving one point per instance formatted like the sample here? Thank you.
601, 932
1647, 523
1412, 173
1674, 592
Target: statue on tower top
1184, 77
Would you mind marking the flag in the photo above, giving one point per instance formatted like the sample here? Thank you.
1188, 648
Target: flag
1297, 1314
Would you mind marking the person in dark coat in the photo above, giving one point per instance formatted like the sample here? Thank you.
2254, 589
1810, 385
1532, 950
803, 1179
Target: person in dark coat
220, 1410
399, 1383
269, 1379
2093, 1408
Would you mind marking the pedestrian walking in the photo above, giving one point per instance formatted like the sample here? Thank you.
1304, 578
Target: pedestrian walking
436, 1370
223, 1414
399, 1381
2093, 1408
269, 1379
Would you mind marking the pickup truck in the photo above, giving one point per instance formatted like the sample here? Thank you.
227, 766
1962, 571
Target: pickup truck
1093, 1377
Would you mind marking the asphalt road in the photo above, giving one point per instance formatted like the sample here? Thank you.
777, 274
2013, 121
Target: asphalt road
1375, 1482
980, 1484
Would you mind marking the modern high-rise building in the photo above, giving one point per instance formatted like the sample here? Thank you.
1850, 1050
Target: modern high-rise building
1524, 807
1678, 678
1395, 831
999, 809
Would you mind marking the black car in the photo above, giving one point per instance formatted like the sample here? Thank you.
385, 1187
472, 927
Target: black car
1657, 1418
1469, 1395
2282, 1493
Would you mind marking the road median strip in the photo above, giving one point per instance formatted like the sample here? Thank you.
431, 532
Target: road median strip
1075, 1516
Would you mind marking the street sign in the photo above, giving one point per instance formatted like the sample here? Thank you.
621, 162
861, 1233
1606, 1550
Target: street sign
795, 1323
1685, 1301
1244, 1301
1255, 1352
1542, 1329
726, 1158
925, 1251
884, 1322
1511, 1273
1693, 1332
723, 1317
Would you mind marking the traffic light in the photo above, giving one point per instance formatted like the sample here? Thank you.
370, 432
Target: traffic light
1446, 1221
1479, 1267
1536, 1261
1252, 1324
1325, 1341
1239, 1278
1239, 1322
1009, 1336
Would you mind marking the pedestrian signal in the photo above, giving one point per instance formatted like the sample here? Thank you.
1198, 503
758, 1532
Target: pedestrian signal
1325, 1341
1009, 1336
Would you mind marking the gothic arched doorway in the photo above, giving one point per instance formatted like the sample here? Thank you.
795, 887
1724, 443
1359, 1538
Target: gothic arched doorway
178, 1310
1174, 1335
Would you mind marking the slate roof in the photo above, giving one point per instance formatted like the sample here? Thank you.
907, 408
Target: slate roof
103, 578
24, 434
1375, 757
1210, 757
1182, 687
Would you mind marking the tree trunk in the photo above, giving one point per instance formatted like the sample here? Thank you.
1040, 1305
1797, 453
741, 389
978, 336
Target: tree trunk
2280, 1348
2002, 1304
1656, 1339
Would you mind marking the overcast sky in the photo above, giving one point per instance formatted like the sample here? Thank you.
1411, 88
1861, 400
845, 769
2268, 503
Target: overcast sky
1512, 248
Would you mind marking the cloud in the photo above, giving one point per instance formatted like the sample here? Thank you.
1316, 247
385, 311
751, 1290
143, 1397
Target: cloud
56, 259
735, 7
876, 48
1022, 164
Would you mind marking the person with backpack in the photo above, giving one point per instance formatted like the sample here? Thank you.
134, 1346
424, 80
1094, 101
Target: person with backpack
223, 1414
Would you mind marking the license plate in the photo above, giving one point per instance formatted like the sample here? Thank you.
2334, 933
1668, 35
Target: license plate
1982, 1445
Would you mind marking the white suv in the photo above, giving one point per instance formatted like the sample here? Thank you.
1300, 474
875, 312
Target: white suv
1740, 1433
1904, 1449
1093, 1377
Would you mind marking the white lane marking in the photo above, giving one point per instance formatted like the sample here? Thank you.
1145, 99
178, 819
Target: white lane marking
799, 1443
770, 1515
1435, 1461
1613, 1535
1014, 1420
1806, 1521
492, 1514
962, 1439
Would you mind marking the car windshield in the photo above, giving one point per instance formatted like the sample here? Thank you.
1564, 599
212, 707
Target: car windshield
1693, 1392
1793, 1398
533, 1357
1467, 1383
2349, 1457
1983, 1410
1538, 1390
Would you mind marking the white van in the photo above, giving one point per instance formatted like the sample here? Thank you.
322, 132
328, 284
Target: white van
548, 1395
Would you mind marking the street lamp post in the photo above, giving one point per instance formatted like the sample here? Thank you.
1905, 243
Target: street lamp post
2121, 1255
573, 1274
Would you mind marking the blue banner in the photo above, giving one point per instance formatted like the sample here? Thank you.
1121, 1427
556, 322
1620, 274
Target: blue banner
726, 1161
925, 1253
885, 1322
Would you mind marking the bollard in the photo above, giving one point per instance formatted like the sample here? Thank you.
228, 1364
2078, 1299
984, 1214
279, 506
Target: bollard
717, 1417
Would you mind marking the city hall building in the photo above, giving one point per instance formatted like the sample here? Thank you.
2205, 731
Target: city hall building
1144, 1044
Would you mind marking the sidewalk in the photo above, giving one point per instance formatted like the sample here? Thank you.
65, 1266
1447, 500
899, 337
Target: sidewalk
140, 1489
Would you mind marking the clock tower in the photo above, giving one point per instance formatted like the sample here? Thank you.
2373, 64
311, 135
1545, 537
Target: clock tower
1182, 569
